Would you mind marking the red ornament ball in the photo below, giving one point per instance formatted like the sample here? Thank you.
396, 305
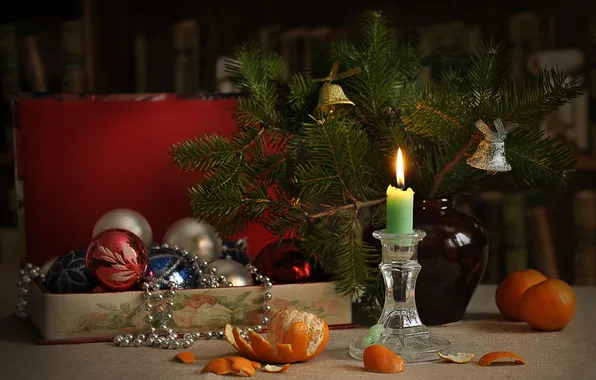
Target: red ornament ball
284, 263
117, 258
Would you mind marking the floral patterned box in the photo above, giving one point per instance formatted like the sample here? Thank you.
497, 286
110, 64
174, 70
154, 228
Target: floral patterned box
68, 318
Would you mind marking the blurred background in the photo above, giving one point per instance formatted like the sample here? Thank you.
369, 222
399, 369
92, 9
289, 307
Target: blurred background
129, 46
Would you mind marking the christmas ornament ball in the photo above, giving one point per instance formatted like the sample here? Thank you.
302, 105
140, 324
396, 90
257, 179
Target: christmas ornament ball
48, 264
126, 219
284, 263
195, 237
235, 251
170, 265
234, 272
117, 258
68, 274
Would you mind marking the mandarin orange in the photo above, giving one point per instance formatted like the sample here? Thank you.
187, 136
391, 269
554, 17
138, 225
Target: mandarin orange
549, 305
511, 289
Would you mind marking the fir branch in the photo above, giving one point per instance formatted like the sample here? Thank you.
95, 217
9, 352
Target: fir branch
451, 164
335, 161
538, 95
331, 211
352, 259
313, 181
537, 160
204, 153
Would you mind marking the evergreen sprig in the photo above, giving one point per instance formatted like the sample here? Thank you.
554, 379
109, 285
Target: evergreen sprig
322, 176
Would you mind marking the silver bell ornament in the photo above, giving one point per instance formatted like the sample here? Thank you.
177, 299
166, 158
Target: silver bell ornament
126, 219
195, 237
234, 272
490, 154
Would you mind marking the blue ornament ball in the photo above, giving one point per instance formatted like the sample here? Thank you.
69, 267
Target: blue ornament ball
170, 265
235, 251
68, 274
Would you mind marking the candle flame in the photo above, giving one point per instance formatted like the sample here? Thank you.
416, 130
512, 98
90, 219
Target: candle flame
399, 170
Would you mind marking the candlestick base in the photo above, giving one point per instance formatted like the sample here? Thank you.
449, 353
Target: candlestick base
399, 328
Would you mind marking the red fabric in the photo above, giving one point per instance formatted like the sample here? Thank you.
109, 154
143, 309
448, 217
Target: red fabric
81, 158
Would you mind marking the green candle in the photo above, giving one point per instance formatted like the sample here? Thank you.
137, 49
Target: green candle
400, 204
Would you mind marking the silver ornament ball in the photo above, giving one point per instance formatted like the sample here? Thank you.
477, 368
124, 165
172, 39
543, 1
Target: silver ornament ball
126, 219
198, 238
234, 272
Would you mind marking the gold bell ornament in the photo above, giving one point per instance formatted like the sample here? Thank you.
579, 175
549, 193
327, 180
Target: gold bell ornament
490, 154
331, 96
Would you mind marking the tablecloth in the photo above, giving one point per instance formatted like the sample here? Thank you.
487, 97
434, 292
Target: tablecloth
568, 354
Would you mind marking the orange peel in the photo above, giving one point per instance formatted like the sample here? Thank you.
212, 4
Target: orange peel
219, 366
276, 369
186, 357
242, 365
293, 336
497, 355
380, 359
458, 357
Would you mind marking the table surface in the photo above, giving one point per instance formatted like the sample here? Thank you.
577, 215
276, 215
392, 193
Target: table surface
567, 354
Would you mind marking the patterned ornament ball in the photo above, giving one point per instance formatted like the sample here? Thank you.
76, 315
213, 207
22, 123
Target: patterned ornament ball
284, 263
126, 219
169, 264
234, 272
117, 258
195, 237
68, 274
235, 251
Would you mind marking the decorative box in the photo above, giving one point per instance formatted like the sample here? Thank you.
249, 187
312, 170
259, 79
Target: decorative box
79, 156
79, 318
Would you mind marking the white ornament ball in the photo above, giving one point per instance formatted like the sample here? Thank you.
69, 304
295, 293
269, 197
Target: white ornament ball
197, 238
235, 272
126, 219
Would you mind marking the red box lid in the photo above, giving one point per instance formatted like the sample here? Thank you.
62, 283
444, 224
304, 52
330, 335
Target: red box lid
81, 156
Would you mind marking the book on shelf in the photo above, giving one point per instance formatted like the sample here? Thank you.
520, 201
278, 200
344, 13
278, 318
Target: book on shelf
487, 208
186, 56
73, 37
515, 254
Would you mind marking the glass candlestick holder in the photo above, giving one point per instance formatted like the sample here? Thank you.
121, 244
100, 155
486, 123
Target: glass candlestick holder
399, 328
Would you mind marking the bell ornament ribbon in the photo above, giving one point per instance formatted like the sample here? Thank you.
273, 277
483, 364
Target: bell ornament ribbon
492, 136
333, 75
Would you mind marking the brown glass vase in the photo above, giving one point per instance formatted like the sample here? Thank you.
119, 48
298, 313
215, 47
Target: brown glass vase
453, 256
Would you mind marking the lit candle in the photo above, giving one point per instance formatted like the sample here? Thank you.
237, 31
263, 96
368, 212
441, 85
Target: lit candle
400, 203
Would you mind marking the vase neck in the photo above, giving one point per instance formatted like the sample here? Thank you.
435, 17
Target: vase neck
437, 204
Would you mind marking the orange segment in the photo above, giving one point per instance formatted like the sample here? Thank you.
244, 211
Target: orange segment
243, 365
298, 335
186, 357
276, 369
219, 366
262, 348
320, 345
494, 356
279, 331
243, 345
293, 336
459, 357
379, 358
